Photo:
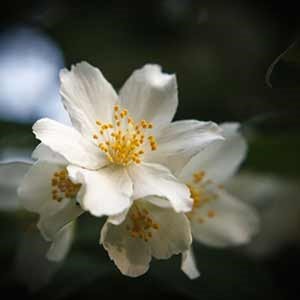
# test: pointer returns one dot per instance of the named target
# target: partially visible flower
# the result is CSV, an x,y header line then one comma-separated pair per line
x,y
47,190
147,231
217,219
278,203
31,266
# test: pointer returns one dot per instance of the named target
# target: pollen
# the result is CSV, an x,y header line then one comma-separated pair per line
x,y
62,186
142,225
201,197
198,176
124,141
211,213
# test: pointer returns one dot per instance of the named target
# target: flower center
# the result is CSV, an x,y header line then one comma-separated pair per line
x,y
62,186
124,141
141,224
201,197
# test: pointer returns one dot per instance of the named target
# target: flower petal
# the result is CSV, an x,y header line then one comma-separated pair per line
x,y
106,191
11,174
69,143
181,140
118,218
132,255
234,223
220,160
32,268
43,152
35,192
151,95
277,200
55,215
174,233
62,242
87,96
35,187
156,180
158,201
188,264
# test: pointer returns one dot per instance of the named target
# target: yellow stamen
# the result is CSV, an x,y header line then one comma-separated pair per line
x,y
124,141
198,176
62,186
201,197
211,213
141,223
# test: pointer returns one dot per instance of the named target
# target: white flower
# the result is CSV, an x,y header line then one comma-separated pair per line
x,y
217,219
31,266
147,231
47,190
277,200
120,146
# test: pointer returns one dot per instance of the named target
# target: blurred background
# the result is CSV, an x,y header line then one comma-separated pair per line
x,y
234,61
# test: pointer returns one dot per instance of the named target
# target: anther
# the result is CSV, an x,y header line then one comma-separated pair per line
x,y
211,213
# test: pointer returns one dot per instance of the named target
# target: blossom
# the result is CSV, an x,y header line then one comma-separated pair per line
x,y
277,201
119,148
217,219
147,231
47,190
30,264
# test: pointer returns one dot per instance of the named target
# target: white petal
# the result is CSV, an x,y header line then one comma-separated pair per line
x,y
62,243
55,215
158,201
69,143
106,191
277,200
181,140
174,233
267,187
151,95
87,96
156,180
118,218
234,223
35,187
11,174
35,192
43,152
188,264
133,255
220,160
32,268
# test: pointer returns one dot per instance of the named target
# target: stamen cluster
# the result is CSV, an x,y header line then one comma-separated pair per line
x,y
200,197
124,141
62,186
141,224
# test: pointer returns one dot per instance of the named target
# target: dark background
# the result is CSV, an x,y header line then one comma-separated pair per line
x,y
220,51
